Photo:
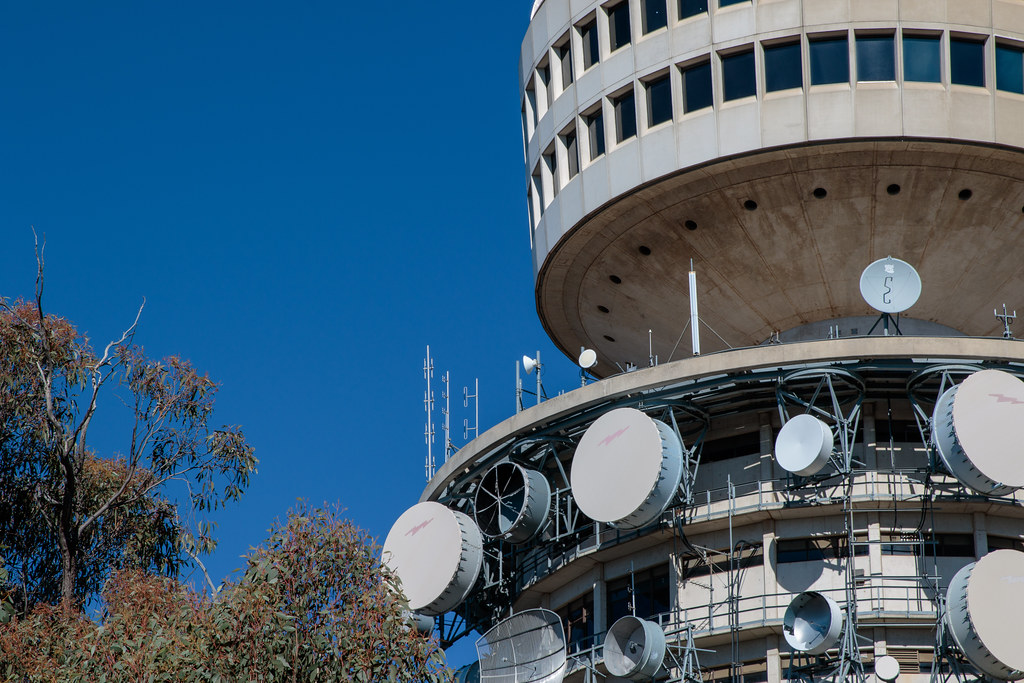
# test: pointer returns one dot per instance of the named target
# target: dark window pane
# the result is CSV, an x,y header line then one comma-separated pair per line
x,y
659,101
531,104
538,187
551,161
966,62
782,67
1010,68
595,129
876,58
690,8
618,26
573,152
726,3
591,53
655,16
697,87
625,116
922,59
565,59
544,74
738,78
830,61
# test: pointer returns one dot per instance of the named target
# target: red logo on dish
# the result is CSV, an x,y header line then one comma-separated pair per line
x,y
1003,398
611,437
418,528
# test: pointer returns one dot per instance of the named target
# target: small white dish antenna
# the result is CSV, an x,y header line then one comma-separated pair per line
x,y
588,359
804,445
634,649
812,623
978,427
528,647
984,602
887,668
890,285
530,364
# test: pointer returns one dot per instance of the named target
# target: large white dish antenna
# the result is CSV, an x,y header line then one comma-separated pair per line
x,y
626,469
634,649
813,623
890,285
984,602
978,427
887,668
512,502
528,647
437,554
804,445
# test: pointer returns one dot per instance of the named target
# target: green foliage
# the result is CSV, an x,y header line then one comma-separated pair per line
x,y
313,604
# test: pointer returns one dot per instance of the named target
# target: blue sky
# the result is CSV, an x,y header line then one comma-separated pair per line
x,y
306,194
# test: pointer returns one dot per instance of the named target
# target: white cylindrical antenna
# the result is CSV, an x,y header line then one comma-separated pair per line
x,y
694,319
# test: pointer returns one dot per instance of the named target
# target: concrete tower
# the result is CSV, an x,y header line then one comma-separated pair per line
x,y
781,146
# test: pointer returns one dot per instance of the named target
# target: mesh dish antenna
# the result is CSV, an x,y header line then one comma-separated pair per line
x,y
512,502
984,602
804,445
437,554
813,623
626,469
634,649
978,428
890,285
528,647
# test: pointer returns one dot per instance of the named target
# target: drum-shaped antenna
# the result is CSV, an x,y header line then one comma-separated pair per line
x,y
984,602
978,427
804,445
887,668
468,674
634,649
528,647
437,554
626,469
812,623
512,502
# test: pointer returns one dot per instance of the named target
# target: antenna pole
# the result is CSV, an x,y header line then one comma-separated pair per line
x,y
519,390
428,405
540,387
446,411
694,319
466,429
1006,319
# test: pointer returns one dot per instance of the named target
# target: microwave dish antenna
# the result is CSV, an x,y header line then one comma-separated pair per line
x,y
887,668
890,285
983,606
512,502
978,427
626,469
528,647
813,623
587,359
437,555
634,648
804,445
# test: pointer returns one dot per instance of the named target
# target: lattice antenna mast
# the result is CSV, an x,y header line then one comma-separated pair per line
x,y
449,447
466,429
1007,320
428,406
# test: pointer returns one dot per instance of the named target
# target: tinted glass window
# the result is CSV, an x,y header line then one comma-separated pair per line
x,y
922,59
565,59
531,104
738,76
573,152
782,67
726,3
1010,68
655,15
618,26
551,161
538,187
645,594
966,62
830,61
625,116
659,101
591,53
697,87
689,8
595,131
876,58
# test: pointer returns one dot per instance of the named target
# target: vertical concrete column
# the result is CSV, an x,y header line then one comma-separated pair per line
x,y
774,660
881,646
771,582
980,535
600,603
875,563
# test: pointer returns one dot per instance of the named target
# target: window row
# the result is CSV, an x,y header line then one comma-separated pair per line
x,y
782,65
874,55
